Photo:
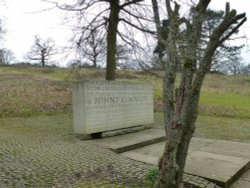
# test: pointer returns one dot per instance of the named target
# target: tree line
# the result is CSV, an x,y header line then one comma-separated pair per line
x,y
91,42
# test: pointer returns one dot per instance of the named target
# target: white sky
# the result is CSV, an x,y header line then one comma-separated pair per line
x,y
24,19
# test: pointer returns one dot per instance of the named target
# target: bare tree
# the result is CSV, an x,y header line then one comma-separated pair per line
x,y
225,53
42,50
93,49
123,56
181,110
245,70
112,16
6,56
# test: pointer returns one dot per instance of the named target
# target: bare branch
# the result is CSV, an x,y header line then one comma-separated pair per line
x,y
187,22
72,7
227,8
202,5
137,27
129,3
146,69
156,16
176,8
126,39
234,30
136,16
168,7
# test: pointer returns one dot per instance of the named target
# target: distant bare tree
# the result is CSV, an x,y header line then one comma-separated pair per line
x,y
6,56
245,70
93,49
228,61
42,50
123,56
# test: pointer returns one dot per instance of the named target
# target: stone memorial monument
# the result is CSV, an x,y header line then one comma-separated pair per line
x,y
100,106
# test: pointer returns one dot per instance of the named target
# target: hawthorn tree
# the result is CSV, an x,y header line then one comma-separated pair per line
x,y
225,54
181,109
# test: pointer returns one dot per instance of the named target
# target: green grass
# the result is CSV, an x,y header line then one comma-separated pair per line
x,y
213,127
226,96
223,128
224,103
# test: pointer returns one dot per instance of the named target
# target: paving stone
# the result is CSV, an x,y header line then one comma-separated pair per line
x,y
44,158
50,156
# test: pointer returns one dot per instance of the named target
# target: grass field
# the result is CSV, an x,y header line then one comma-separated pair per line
x,y
224,104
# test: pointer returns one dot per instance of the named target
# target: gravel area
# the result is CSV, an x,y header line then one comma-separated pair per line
x,y
42,152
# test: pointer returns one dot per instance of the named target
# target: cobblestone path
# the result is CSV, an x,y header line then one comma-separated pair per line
x,y
42,152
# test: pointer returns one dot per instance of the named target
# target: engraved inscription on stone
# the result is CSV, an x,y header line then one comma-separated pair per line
x,y
107,105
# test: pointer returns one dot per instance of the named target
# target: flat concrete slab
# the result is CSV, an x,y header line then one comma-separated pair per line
x,y
217,160
198,143
221,169
207,158
237,149
126,142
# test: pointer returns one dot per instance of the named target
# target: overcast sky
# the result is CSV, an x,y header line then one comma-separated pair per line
x,y
25,18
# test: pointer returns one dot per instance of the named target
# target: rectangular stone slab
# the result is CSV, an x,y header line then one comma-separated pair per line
x,y
100,106
132,141
222,169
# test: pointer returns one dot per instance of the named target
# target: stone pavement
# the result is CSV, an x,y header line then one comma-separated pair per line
x,y
43,152
36,153
220,161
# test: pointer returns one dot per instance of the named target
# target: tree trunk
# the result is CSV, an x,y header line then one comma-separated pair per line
x,y
180,112
43,58
180,126
111,39
95,60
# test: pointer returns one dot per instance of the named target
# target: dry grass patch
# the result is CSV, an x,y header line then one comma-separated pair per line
x,y
25,94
